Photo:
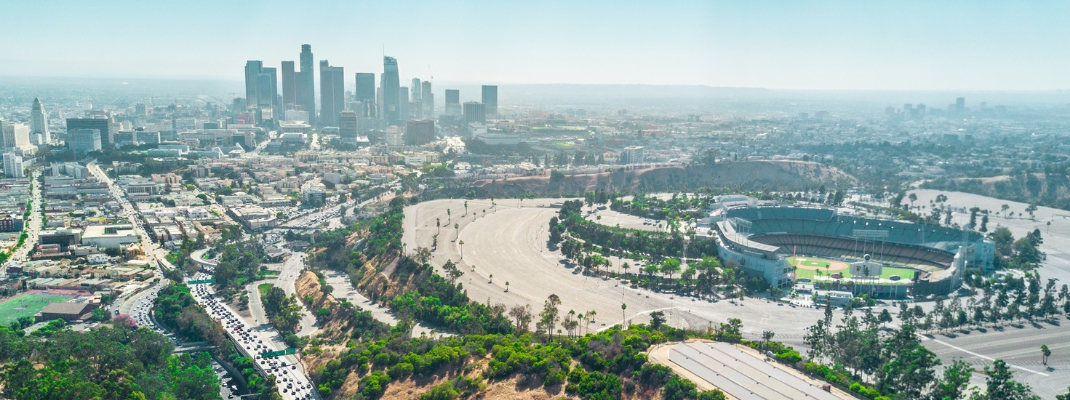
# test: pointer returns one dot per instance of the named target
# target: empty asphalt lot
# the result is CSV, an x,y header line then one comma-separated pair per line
x,y
510,242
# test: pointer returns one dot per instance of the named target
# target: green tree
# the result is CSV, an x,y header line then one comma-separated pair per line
x,y
908,366
670,266
953,385
1001,386
550,315
657,319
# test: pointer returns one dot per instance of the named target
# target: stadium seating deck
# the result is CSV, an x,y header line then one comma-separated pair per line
x,y
821,232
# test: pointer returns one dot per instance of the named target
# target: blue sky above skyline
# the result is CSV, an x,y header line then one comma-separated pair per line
x,y
900,45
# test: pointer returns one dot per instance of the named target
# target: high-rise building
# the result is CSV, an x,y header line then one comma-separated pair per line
x,y
960,104
416,102
83,141
347,125
332,93
141,110
305,84
39,121
366,94
391,84
13,166
403,103
252,82
453,102
419,132
429,100
633,154
261,89
490,100
14,135
415,90
102,125
268,95
475,112
289,86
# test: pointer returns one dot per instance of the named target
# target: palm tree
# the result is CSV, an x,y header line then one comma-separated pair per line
x,y
623,318
767,336
625,266
590,317
506,286
461,243
570,319
491,278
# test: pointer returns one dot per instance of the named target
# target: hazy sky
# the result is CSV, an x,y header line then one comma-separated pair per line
x,y
898,45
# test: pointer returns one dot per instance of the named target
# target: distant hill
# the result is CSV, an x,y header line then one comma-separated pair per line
x,y
744,175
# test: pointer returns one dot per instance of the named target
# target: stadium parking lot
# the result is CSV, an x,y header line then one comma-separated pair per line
x,y
510,243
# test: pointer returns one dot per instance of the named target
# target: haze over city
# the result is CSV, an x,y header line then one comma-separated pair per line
x,y
702,200
825,45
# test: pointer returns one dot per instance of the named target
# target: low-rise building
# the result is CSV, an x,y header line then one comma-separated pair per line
x,y
109,236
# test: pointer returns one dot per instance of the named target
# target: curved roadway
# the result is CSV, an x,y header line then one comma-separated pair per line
x,y
510,243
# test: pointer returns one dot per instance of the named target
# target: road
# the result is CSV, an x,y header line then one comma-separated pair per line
x,y
292,380
510,242
32,227
256,305
141,302
291,271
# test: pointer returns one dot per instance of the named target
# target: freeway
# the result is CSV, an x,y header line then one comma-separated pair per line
x,y
292,381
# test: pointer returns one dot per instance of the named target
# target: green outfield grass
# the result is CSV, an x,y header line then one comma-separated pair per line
x,y
26,306
905,274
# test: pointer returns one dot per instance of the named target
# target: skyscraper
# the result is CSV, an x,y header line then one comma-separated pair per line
x,y
305,84
366,94
289,86
416,102
39,122
960,104
453,102
403,103
102,126
261,90
391,84
475,112
490,100
252,76
332,93
415,90
268,96
429,100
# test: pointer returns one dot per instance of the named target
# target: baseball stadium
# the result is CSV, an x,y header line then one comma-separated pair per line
x,y
838,251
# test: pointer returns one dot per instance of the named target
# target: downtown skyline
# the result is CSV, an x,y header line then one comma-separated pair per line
x,y
807,46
